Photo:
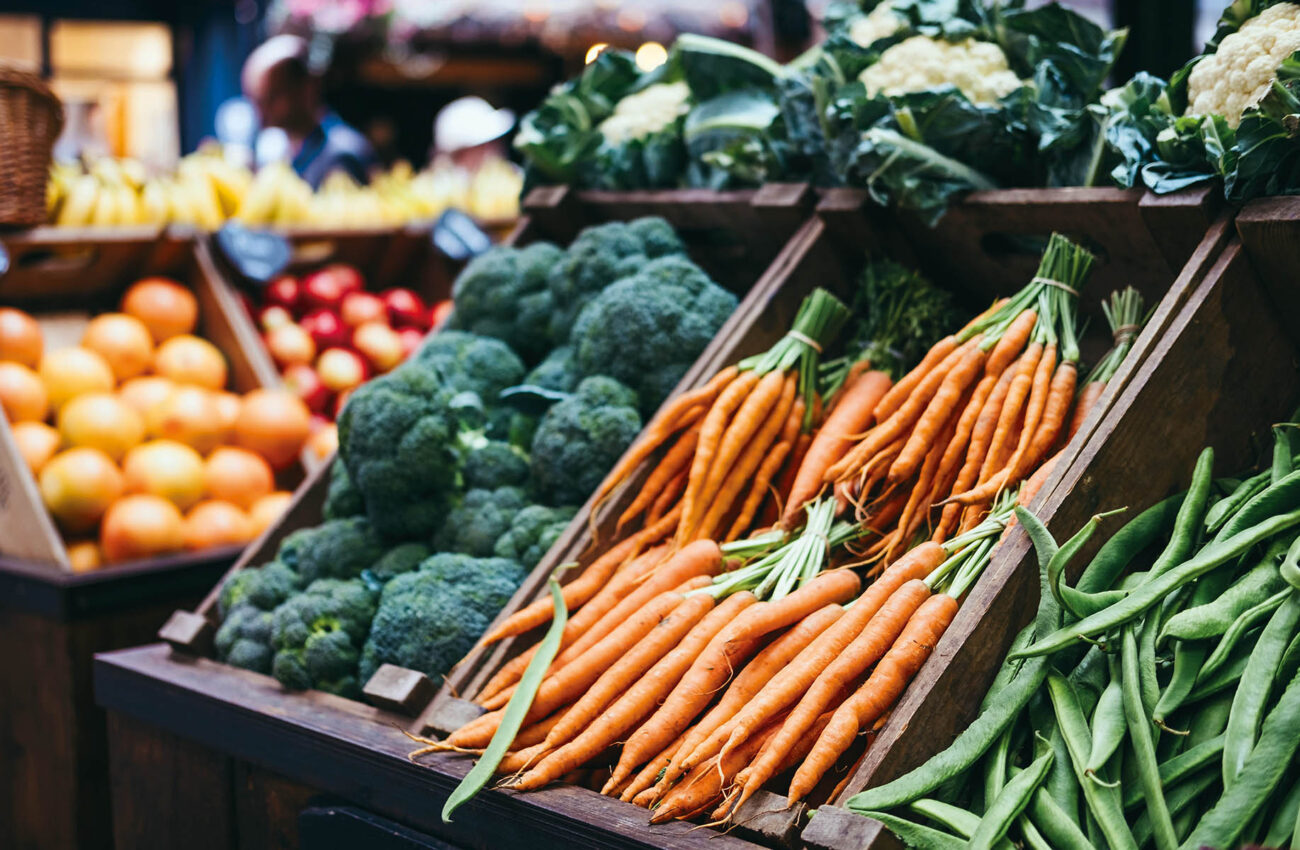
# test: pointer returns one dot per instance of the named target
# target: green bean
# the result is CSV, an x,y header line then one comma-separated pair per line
x,y
1153,591
1124,545
1227,506
1188,658
1228,674
1090,677
1276,499
1034,839
1056,823
1183,823
1290,660
1009,803
1215,616
1140,735
959,820
1181,766
1281,454
1060,781
915,835
1078,604
1282,826
1246,622
1190,516
1290,567
1150,687
1180,800
1007,672
1256,683
1264,768
1209,720
1104,803
995,768
1108,727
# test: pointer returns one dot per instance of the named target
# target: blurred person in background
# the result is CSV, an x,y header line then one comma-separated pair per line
x,y
278,80
468,131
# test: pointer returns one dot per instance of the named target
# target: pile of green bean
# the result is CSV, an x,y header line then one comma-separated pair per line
x,y
1154,703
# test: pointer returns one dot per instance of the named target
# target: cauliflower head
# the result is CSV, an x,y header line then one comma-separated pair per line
x,y
1239,74
647,111
882,22
978,69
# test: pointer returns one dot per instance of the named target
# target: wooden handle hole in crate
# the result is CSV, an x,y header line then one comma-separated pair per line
x,y
1030,247
57,260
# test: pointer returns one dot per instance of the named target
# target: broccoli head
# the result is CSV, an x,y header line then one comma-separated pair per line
x,y
473,526
532,533
261,587
337,548
469,362
244,638
495,464
503,294
427,620
579,440
342,499
557,372
657,235
318,634
647,329
402,558
398,436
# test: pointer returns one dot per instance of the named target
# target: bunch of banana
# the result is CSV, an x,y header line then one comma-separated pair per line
x,y
108,194
277,197
494,191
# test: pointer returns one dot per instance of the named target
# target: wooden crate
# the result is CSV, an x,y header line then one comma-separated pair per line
x,y
1222,372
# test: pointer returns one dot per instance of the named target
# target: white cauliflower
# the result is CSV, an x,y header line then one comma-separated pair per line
x,y
978,68
881,23
645,112
1238,76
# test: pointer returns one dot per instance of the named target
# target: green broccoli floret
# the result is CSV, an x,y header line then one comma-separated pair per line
x,y
658,236
337,548
495,464
468,362
318,634
342,499
533,532
402,558
580,438
557,372
261,587
647,329
503,294
427,620
473,526
244,638
398,436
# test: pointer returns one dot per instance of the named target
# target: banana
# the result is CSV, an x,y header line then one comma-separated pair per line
x,y
79,206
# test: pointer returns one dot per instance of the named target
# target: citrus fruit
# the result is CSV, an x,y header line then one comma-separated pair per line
x,y
141,526
268,509
324,441
227,413
165,468
78,485
70,372
22,395
20,337
190,360
101,421
189,415
37,443
237,475
166,308
216,523
84,556
273,423
123,341
144,392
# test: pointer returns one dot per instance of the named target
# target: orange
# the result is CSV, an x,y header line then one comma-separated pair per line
x,y
123,341
190,360
70,372
84,556
20,337
22,395
189,415
227,413
102,421
78,485
37,443
273,423
141,526
144,392
324,441
166,308
216,523
165,468
237,475
268,509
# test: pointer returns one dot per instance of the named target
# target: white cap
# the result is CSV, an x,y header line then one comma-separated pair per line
x,y
469,121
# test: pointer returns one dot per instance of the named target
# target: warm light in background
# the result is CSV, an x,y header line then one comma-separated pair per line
x,y
630,20
594,51
650,56
733,14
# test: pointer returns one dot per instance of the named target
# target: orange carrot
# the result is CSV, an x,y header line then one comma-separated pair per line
x,y
744,427
1013,341
711,433
980,438
792,759
943,406
881,690
775,505
1087,400
852,413
520,759
674,461
1053,419
918,502
670,494
1001,446
703,786
645,780
758,490
899,393
536,733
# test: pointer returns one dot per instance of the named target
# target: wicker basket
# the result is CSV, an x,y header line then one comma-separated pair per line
x,y
30,120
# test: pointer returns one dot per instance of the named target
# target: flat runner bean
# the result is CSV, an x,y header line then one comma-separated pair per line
x,y
1256,684
1009,803
1139,727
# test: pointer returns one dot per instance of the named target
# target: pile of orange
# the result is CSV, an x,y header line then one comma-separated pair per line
x,y
138,447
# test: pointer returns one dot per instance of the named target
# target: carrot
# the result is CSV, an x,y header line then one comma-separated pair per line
x,y
720,498
745,427
980,438
757,673
899,393
853,412
774,507
1001,447
1013,341
711,432
671,493
791,760
645,780
1054,414
640,658
758,490
663,426
799,674
536,733
520,759
1032,486
941,408
918,502
637,702
674,461
954,452
704,784
881,690
865,650
1088,398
